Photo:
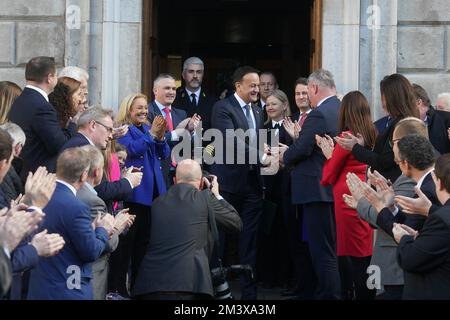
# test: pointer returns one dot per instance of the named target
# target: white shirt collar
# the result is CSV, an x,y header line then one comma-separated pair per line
x,y
420,182
197,93
241,102
277,122
42,92
89,140
71,187
161,107
90,188
323,100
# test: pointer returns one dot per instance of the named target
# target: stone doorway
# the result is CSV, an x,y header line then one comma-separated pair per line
x,y
279,36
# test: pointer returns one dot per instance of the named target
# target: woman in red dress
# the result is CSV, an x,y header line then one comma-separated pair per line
x,y
354,235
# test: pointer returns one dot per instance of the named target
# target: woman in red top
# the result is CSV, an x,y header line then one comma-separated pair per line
x,y
354,235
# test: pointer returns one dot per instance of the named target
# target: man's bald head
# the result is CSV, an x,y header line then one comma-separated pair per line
x,y
189,171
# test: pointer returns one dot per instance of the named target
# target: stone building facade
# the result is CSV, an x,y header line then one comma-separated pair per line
x,y
362,41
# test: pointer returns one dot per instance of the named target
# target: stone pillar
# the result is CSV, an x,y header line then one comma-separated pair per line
x,y
424,44
340,42
378,49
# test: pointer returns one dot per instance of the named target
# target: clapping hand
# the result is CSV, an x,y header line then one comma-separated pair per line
x,y
39,188
326,144
400,230
348,140
158,128
420,205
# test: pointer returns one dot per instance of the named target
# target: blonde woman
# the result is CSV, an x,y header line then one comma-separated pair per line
x,y
9,91
146,147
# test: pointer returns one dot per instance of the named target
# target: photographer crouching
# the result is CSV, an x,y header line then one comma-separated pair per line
x,y
176,265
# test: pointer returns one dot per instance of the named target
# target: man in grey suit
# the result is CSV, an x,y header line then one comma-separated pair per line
x,y
89,196
176,265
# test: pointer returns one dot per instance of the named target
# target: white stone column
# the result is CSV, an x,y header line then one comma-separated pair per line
x,y
340,42
378,48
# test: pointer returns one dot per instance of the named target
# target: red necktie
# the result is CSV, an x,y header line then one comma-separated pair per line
x,y
170,127
303,118
168,118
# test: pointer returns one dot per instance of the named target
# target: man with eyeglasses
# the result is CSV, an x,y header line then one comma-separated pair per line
x,y
95,127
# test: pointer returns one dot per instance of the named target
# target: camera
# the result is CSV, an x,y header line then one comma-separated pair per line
x,y
219,277
209,177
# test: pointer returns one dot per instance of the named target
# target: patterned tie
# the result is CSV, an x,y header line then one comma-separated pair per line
x,y
250,123
303,118
194,100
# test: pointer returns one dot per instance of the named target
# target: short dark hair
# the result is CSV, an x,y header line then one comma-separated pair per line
x,y
240,73
38,68
442,170
6,145
421,94
417,150
301,80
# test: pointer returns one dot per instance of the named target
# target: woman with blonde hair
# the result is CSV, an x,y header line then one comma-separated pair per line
x,y
146,147
9,91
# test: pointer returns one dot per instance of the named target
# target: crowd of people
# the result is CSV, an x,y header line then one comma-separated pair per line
x,y
97,205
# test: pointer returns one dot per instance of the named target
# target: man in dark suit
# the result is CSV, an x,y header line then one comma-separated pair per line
x,y
415,157
95,128
435,120
192,98
267,83
425,255
317,201
176,265
241,180
68,274
89,196
37,117
164,89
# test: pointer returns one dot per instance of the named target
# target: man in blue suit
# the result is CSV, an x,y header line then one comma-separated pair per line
x,y
316,200
68,274
37,117
241,184
164,89
95,128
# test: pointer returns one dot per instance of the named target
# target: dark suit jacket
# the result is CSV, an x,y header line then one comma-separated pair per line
x,y
275,186
386,219
177,116
204,106
437,131
5,273
426,260
228,114
12,185
381,124
107,191
382,156
307,158
71,218
38,120
177,255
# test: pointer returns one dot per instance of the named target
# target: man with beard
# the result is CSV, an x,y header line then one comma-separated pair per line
x,y
192,98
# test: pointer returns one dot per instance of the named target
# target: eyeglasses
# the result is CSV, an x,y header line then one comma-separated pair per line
x,y
109,129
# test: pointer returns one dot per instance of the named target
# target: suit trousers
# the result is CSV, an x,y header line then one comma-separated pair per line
x,y
321,229
249,206
132,248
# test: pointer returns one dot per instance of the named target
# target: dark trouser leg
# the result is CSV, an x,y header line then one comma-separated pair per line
x,y
346,275
322,245
391,293
360,275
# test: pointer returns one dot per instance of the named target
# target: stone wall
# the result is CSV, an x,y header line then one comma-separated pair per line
x,y
101,36
423,44
29,29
